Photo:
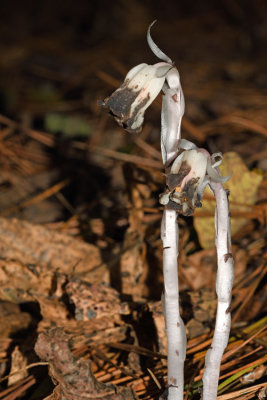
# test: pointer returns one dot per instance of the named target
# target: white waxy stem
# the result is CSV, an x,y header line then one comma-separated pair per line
x,y
174,324
171,116
224,283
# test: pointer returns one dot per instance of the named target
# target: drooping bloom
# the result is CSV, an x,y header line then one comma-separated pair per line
x,y
188,177
139,89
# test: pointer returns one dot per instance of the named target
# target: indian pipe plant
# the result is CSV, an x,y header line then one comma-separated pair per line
x,y
188,170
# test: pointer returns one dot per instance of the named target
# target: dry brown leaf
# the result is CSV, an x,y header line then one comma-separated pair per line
x,y
94,301
199,269
35,244
18,364
12,319
20,283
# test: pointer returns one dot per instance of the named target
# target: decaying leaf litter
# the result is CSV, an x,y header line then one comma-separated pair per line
x,y
80,240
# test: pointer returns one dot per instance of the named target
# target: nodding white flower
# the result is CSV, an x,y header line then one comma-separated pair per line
x,y
139,89
188,177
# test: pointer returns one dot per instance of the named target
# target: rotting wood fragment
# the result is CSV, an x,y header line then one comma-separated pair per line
x,y
73,377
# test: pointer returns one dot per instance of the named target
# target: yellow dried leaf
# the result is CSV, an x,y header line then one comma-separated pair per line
x,y
243,186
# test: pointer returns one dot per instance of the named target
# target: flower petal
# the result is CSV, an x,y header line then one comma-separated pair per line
x,y
164,198
135,70
154,48
186,144
201,189
216,159
140,87
177,164
214,175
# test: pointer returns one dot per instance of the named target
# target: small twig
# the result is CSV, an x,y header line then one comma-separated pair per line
x,y
37,199
250,294
37,364
155,379
241,392
235,349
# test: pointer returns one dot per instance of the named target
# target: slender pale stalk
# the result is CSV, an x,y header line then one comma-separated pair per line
x,y
172,112
224,283
171,116
170,302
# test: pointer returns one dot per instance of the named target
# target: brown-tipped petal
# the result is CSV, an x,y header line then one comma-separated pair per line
x,y
119,104
141,86
174,180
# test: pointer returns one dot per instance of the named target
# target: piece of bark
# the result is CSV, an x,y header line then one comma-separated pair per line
x,y
35,244
73,377
90,312
21,282
94,301
12,319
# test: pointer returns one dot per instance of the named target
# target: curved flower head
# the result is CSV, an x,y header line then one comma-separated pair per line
x,y
139,89
188,177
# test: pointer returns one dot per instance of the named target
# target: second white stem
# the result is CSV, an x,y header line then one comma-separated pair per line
x,y
224,283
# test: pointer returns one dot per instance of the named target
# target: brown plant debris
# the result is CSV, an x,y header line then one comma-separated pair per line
x,y
73,377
